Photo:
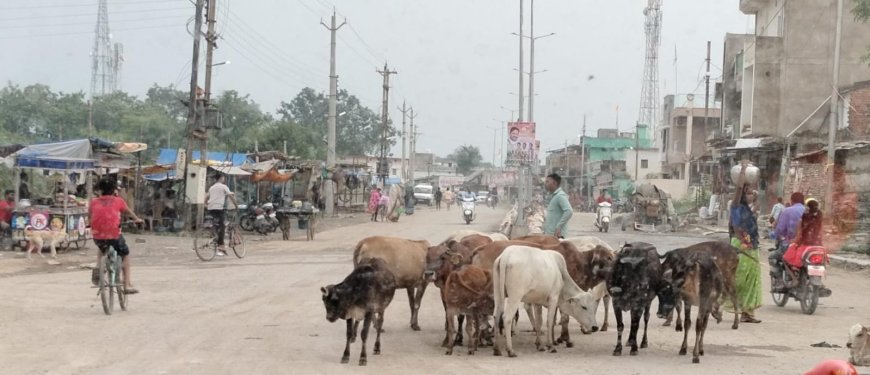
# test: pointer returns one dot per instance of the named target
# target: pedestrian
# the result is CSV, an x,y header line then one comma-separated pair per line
x,y
23,187
448,198
374,200
776,211
438,197
744,229
383,207
559,210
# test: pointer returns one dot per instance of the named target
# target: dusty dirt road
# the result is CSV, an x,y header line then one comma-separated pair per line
x,y
263,315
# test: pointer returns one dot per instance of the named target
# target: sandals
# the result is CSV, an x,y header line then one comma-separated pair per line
x,y
746,318
131,290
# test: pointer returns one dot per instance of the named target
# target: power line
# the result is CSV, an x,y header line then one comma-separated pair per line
x,y
267,54
368,47
41,16
85,32
273,70
272,47
126,20
88,5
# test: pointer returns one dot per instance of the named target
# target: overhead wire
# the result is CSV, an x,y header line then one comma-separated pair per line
x,y
83,5
43,16
83,23
91,32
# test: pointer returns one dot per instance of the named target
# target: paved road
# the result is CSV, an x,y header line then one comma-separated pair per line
x,y
263,315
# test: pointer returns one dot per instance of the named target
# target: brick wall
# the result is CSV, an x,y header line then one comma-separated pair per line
x,y
807,178
859,112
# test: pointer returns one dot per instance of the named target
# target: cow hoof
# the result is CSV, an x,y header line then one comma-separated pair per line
x,y
363,362
496,353
569,344
603,328
682,351
696,360
345,360
415,327
633,352
617,353
679,329
552,350
512,355
471,352
643,345
449,352
701,352
734,326
377,352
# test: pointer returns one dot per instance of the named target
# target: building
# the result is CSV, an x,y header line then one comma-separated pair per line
x,y
777,83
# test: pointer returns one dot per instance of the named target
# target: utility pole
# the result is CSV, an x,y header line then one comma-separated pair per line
x,y
583,157
520,37
412,143
329,189
191,108
405,138
383,169
707,95
834,118
211,39
531,61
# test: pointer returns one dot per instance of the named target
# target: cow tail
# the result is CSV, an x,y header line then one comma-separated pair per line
x,y
356,253
498,282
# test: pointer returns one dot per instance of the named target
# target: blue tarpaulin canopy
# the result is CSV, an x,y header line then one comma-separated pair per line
x,y
168,156
70,155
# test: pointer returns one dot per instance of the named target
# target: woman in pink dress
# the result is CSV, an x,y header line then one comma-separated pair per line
x,y
374,199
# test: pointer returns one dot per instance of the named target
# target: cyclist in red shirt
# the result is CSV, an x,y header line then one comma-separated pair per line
x,y
6,207
106,212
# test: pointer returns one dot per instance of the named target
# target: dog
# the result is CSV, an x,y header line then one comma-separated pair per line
x,y
36,239
859,345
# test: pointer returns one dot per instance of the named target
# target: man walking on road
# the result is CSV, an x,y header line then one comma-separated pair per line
x,y
559,210
216,200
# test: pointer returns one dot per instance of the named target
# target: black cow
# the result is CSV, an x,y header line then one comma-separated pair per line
x,y
696,279
633,284
367,291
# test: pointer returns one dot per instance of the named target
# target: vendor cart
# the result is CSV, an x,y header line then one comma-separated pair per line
x,y
62,212
305,217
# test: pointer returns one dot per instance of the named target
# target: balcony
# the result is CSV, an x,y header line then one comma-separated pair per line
x,y
752,6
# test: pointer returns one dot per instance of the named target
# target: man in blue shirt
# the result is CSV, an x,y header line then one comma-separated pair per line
x,y
787,227
559,210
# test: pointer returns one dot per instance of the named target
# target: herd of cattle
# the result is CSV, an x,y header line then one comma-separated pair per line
x,y
487,275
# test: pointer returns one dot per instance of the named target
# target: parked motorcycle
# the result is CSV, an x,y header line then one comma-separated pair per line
x,y
266,220
467,205
602,221
806,286
247,216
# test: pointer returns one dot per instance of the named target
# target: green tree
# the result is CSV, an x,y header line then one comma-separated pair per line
x,y
242,122
467,158
861,11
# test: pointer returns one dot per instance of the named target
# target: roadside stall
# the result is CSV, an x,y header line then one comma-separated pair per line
x,y
72,165
295,204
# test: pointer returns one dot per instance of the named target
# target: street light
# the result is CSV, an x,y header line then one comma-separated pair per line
x,y
222,63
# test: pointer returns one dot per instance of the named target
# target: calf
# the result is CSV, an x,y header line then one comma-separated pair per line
x,y
438,267
633,284
726,258
589,269
467,291
367,291
524,274
696,278
406,259
859,345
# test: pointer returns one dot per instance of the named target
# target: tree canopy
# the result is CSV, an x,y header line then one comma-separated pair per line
x,y
467,158
35,113
861,11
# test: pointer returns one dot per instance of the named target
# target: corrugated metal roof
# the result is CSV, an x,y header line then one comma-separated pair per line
x,y
843,146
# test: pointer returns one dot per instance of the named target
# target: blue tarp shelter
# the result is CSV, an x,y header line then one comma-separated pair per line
x,y
167,156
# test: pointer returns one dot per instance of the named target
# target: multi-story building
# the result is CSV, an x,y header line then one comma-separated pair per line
x,y
686,125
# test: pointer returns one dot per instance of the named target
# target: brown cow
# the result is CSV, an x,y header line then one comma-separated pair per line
x,y
406,259
467,291
435,260
484,256
474,241
726,258
540,240
696,278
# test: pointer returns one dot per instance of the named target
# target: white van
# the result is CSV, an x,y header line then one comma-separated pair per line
x,y
424,193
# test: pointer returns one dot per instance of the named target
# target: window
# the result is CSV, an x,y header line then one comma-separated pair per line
x,y
644,163
395,170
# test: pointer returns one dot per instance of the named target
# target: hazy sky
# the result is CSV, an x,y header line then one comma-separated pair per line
x,y
455,58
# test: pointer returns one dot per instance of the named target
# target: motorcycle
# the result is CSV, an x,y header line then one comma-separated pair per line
x,y
492,201
267,219
468,213
806,286
247,216
602,221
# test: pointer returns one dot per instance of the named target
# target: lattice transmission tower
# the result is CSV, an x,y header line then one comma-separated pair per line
x,y
649,97
106,58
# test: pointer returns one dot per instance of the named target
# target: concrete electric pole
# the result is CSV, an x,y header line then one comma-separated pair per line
x,y
211,39
404,111
412,143
834,118
520,37
383,167
191,108
329,187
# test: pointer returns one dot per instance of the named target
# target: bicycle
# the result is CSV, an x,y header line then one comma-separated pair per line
x,y
205,242
111,281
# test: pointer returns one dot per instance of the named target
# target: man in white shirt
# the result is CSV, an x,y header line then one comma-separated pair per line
x,y
216,204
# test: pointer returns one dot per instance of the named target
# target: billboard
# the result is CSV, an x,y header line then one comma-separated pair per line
x,y
522,145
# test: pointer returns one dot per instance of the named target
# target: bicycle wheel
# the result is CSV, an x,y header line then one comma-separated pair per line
x,y
107,292
205,245
121,289
237,242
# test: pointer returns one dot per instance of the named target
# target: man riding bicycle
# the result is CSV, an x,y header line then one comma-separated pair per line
x,y
106,212
216,200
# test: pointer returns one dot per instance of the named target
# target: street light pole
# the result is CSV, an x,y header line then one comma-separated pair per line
x,y
520,37
329,193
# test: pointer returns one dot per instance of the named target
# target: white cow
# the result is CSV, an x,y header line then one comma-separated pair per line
x,y
859,345
460,234
523,274
584,243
